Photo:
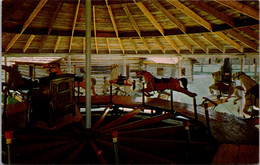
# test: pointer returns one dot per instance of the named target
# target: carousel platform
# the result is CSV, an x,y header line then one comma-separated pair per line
x,y
226,128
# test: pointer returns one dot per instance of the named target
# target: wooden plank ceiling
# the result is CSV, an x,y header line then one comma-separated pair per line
x,y
131,27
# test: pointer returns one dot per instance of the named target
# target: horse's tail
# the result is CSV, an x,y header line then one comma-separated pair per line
x,y
184,82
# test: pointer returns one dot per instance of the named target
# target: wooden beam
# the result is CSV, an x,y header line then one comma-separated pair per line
x,y
51,25
28,43
27,23
84,44
249,32
172,44
95,28
74,25
169,16
185,43
150,16
229,41
198,42
244,40
108,46
212,11
190,13
159,44
146,45
115,26
57,44
134,45
212,41
240,7
130,17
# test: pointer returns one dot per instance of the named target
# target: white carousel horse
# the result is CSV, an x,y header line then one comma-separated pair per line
x,y
124,87
251,93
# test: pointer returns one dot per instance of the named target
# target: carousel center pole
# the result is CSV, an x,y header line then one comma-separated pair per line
x,y
88,64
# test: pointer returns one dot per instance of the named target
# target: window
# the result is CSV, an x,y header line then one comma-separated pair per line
x,y
31,71
183,71
159,71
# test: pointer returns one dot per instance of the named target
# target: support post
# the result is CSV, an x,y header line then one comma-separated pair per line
x,y
88,64
186,125
207,117
8,138
143,98
5,60
115,134
69,63
195,108
171,101
110,90
255,70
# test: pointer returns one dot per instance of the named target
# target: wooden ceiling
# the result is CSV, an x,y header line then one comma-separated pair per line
x,y
131,27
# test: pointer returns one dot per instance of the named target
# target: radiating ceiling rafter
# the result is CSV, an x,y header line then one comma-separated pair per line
x,y
249,32
229,41
169,16
26,23
156,40
242,39
213,42
156,24
214,12
185,43
115,26
198,42
240,7
28,43
74,25
57,44
54,17
191,14
95,28
134,45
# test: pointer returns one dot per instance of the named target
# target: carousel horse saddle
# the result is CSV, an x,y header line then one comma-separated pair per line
x,y
121,80
162,80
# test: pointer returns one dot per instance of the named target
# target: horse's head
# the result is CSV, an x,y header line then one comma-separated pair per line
x,y
236,76
216,76
140,73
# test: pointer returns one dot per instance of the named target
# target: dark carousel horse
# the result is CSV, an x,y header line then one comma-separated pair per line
x,y
155,84
16,81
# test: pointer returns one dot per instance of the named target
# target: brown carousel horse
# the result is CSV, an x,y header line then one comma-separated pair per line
x,y
224,88
251,92
155,84
54,68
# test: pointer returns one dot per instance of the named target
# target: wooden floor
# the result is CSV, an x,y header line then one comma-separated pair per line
x,y
226,128
236,154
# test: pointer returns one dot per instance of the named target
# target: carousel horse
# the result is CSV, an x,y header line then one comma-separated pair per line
x,y
16,81
155,84
251,92
54,68
224,88
123,84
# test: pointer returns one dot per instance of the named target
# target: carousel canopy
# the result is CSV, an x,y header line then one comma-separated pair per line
x,y
131,27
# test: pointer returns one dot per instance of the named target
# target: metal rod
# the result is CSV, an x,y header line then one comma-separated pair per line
x,y
171,100
207,117
110,94
143,96
195,108
88,64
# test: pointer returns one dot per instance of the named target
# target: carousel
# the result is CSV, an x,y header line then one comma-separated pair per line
x,y
101,101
